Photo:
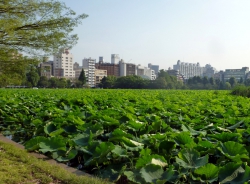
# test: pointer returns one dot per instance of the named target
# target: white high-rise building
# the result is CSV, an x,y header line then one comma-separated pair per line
x,y
89,64
115,58
63,64
189,69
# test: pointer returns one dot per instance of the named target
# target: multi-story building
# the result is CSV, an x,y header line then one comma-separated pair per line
x,y
63,64
89,64
112,69
154,67
127,68
46,69
145,72
236,73
99,74
76,66
189,69
114,58
175,73
219,75
209,71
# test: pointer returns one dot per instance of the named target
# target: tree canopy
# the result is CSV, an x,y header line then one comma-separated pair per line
x,y
82,77
37,26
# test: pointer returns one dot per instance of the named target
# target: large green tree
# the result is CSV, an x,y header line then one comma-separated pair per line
x,y
33,76
82,77
35,27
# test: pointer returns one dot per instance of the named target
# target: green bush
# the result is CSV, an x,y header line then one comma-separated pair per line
x,y
241,90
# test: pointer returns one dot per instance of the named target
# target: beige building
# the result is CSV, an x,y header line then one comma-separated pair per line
x,y
63,64
99,74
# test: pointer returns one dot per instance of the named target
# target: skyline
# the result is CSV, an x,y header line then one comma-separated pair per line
x,y
209,32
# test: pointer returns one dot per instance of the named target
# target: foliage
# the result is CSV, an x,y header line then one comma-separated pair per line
x,y
241,90
82,77
37,25
143,136
33,27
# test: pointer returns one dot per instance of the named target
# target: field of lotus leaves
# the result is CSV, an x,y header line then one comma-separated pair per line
x,y
135,136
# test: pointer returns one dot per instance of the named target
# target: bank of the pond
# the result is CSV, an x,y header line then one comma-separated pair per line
x,y
19,166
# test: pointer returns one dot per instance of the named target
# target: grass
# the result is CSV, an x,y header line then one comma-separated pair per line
x,y
19,167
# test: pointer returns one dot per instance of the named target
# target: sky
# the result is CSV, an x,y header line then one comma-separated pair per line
x,y
160,32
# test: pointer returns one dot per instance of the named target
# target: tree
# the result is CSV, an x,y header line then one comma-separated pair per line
x,y
227,85
82,77
205,81
33,76
109,81
232,81
43,82
241,80
35,27
211,81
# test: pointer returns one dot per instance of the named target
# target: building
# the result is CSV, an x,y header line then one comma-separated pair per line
x,y
127,68
209,71
175,73
236,73
76,66
154,67
46,69
99,74
63,64
114,59
145,72
112,69
89,64
189,69
219,75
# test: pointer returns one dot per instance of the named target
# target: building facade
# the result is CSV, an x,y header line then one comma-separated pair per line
x,y
209,71
99,74
189,70
89,64
46,69
63,64
112,69
114,58
127,68
145,72
236,73
154,67
175,73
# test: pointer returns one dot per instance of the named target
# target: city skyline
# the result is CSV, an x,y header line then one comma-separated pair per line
x,y
162,32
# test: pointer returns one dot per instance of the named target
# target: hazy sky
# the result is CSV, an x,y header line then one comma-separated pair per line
x,y
160,32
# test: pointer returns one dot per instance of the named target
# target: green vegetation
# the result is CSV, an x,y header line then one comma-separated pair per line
x,y
18,166
241,90
36,28
143,136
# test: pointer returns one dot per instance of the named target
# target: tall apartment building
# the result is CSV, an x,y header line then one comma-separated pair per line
x,y
63,64
154,67
236,73
189,69
114,58
89,64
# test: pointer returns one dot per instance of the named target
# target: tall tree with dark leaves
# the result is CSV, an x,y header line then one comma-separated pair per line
x,y
82,77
